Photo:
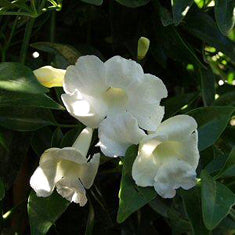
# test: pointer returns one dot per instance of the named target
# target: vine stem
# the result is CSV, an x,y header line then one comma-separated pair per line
x,y
25,44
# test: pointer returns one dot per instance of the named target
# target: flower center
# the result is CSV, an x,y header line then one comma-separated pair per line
x,y
116,99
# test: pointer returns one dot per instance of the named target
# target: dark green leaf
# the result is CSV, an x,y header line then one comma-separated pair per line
x,y
192,205
207,86
71,136
90,220
224,15
41,140
25,119
211,125
2,190
203,27
131,197
11,160
3,141
180,9
43,212
9,98
57,138
94,2
160,206
228,169
19,78
217,200
133,3
66,51
226,99
174,104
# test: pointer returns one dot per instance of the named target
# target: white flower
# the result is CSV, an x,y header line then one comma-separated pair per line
x,y
49,76
168,158
67,169
96,90
117,133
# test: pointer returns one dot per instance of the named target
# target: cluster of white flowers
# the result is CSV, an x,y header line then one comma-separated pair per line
x,y
123,102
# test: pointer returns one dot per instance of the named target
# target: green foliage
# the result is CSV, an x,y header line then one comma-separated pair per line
x,y
131,197
217,200
43,212
211,125
192,49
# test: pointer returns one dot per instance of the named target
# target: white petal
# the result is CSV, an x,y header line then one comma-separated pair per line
x,y
71,154
89,171
87,76
178,127
121,73
151,90
149,116
90,111
72,189
49,76
174,174
83,141
43,179
117,133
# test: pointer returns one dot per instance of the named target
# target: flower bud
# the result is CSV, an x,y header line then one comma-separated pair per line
x,y
49,76
143,47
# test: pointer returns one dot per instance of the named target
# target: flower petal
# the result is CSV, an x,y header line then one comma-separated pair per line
x,y
49,76
72,189
151,90
43,178
149,116
121,73
117,133
89,111
175,173
87,76
178,127
88,171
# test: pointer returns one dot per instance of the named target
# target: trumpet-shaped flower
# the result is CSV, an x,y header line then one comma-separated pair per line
x,y
49,76
68,170
168,158
95,90
117,133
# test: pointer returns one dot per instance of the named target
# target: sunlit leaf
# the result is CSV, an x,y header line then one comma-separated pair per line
x,y
19,78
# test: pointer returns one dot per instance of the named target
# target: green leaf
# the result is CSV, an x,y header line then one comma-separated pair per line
x,y
2,190
66,51
131,197
90,220
226,99
71,136
94,2
224,15
217,200
43,212
9,98
180,9
3,141
211,123
11,160
203,27
174,104
133,3
19,78
57,138
207,86
228,169
192,205
41,140
25,119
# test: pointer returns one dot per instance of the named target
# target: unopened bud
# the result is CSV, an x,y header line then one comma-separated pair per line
x,y
143,47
